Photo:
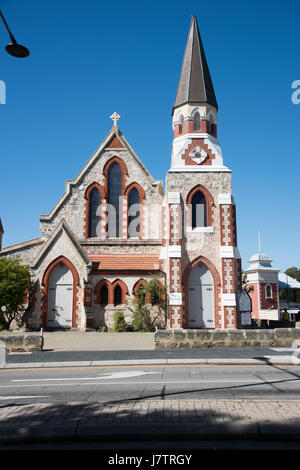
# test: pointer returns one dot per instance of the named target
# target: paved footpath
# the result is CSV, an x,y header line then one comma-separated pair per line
x,y
141,420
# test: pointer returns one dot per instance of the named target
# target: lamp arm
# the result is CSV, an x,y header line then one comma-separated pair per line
x,y
13,40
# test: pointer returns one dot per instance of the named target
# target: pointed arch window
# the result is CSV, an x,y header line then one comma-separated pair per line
x,y
104,295
114,195
197,121
134,214
94,212
199,210
117,295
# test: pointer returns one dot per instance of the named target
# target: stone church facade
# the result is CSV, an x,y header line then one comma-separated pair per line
x,y
115,228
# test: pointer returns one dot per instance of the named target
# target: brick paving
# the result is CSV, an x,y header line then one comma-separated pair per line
x,y
154,411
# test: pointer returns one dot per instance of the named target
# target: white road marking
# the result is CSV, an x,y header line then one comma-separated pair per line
x,y
11,397
19,353
285,349
113,375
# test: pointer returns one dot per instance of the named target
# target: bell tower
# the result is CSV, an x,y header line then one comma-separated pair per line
x,y
200,244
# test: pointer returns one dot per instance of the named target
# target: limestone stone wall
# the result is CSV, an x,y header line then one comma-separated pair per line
x,y
21,342
25,252
123,247
181,339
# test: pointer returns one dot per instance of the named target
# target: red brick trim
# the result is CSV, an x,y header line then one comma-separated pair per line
x,y
124,171
141,202
229,209
115,143
188,128
45,285
198,143
87,205
185,285
110,288
138,187
227,314
234,231
209,204
97,291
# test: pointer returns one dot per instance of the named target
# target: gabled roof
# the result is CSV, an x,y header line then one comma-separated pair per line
x,y
113,140
195,84
62,227
23,245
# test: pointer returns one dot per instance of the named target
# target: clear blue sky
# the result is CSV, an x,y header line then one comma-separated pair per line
x,y
90,58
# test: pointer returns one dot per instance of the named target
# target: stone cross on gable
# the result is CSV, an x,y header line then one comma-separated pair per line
x,y
115,117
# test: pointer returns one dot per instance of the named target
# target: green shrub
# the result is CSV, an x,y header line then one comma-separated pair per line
x,y
15,286
102,329
119,322
142,319
150,306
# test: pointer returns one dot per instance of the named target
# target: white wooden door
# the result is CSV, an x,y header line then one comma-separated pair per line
x,y
60,297
201,298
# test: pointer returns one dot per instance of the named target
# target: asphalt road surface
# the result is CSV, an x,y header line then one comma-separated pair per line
x,y
167,382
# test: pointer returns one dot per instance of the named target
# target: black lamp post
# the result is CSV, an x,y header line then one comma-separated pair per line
x,y
14,49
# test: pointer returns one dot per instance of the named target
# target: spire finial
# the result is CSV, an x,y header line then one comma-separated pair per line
x,y
259,248
115,117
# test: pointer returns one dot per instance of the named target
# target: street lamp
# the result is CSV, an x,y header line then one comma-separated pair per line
x,y
14,49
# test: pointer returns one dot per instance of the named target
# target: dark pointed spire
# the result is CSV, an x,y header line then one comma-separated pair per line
x,y
195,85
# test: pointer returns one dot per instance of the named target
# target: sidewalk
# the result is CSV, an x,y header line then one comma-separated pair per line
x,y
263,420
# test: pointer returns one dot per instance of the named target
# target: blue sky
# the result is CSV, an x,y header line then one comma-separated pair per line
x,y
90,58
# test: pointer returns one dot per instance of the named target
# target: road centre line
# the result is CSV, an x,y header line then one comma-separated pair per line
x,y
43,369
137,366
136,383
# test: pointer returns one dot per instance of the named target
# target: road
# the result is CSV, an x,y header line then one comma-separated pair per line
x,y
166,382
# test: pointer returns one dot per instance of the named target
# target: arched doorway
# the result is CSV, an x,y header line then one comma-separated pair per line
x,y
201,297
60,297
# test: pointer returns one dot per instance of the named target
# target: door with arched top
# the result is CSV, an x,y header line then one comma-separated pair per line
x,y
201,298
60,297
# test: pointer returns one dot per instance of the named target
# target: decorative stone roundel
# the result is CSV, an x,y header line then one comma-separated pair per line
x,y
198,155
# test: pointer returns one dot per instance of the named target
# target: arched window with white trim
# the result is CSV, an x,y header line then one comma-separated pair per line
x,y
269,293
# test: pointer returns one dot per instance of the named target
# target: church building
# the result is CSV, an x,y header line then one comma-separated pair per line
x,y
116,227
